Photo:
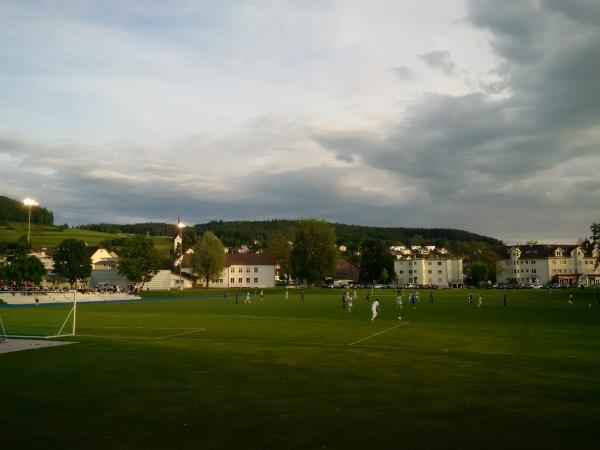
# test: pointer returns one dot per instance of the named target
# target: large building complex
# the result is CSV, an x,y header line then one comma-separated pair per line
x,y
564,264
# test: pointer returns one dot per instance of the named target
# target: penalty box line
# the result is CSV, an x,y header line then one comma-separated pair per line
x,y
380,332
195,330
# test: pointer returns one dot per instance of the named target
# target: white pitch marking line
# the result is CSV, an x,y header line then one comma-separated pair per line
x,y
380,332
196,330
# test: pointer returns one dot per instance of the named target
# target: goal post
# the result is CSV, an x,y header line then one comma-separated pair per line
x,y
38,314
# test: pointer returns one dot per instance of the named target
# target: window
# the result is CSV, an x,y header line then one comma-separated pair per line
x,y
439,263
533,271
256,280
410,271
429,271
239,280
232,269
527,262
401,271
240,270
256,270
440,271
429,263
232,280
247,269
247,280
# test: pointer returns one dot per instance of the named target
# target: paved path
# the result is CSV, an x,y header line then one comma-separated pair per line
x,y
16,345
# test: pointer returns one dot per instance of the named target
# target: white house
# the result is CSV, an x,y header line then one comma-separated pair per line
x,y
102,258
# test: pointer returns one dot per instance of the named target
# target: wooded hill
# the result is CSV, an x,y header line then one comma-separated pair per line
x,y
258,233
15,211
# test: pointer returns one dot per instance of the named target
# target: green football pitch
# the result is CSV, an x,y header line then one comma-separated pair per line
x,y
181,370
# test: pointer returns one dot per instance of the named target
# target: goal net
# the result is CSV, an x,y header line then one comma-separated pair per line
x,y
37,314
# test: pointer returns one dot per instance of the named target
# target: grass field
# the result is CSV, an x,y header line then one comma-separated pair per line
x,y
51,236
205,373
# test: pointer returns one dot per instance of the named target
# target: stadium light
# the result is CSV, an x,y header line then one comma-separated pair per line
x,y
29,202
181,226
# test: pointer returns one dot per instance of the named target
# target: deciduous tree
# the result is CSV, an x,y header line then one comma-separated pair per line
x,y
595,238
72,261
479,272
375,257
208,259
16,264
314,252
280,245
139,261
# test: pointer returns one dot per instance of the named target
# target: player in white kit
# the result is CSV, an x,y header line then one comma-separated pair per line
x,y
374,309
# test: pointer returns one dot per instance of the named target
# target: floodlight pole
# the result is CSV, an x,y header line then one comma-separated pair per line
x,y
29,224
29,203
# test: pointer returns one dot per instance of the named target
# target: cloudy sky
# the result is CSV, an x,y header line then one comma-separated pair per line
x,y
480,115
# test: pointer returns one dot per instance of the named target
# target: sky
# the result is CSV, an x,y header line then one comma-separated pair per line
x,y
479,115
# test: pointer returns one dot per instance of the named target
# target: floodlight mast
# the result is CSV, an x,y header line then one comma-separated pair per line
x,y
29,202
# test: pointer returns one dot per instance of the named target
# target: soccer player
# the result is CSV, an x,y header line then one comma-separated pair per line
x,y
262,295
349,304
286,295
302,296
504,300
470,297
571,299
413,300
374,309
430,296
247,297
398,302
479,302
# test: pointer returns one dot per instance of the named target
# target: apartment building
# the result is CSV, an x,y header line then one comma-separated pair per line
x,y
440,272
564,264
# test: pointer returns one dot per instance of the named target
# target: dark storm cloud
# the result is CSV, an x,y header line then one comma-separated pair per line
x,y
440,60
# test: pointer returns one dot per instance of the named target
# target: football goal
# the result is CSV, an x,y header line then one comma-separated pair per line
x,y
38,314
